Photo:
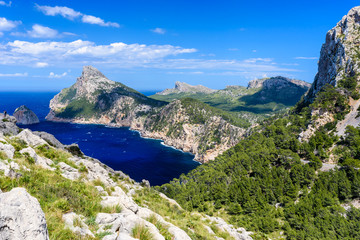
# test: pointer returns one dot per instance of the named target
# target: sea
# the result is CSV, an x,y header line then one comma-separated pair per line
x,y
120,148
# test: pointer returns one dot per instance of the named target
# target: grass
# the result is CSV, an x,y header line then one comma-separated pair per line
x,y
57,195
56,155
192,223
3,155
141,232
111,209
163,229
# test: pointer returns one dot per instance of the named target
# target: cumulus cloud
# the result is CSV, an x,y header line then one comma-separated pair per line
x,y
13,74
306,58
158,30
121,55
7,25
98,21
39,31
6,4
53,75
71,14
41,64
85,52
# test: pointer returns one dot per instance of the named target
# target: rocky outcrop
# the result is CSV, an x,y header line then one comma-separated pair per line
x,y
96,99
24,116
277,82
339,57
182,87
21,216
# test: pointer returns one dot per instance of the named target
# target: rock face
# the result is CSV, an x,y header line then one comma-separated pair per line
x,y
181,87
21,216
96,99
339,57
277,82
25,116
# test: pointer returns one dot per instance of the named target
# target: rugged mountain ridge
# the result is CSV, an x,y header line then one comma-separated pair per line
x,y
339,56
96,99
182,87
261,97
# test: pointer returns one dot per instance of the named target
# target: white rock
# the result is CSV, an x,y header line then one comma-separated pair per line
x,y
68,171
237,234
69,219
43,162
30,138
101,190
119,197
21,216
8,149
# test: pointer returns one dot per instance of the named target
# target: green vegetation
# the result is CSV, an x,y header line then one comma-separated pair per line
x,y
241,99
262,185
141,232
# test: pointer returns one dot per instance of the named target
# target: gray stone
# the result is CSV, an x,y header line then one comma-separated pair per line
x,y
24,116
30,138
49,138
68,171
21,216
8,149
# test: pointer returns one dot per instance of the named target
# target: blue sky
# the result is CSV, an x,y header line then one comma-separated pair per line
x,y
148,45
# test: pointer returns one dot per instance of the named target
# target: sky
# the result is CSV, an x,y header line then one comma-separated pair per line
x,y
149,45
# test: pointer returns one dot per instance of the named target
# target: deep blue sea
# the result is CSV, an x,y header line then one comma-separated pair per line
x,y
119,148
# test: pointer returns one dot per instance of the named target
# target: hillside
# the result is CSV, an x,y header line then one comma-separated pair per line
x,y
187,125
53,191
262,96
296,177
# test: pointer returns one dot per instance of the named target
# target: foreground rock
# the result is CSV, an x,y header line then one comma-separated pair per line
x,y
24,116
21,216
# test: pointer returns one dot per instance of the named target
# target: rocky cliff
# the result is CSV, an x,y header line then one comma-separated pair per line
x,y
340,54
25,116
277,82
96,99
48,192
182,87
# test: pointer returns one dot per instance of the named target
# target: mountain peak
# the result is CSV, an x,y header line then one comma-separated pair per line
x,y
276,82
90,72
339,57
182,87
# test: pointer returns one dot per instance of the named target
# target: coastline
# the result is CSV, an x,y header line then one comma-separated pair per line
x,y
142,134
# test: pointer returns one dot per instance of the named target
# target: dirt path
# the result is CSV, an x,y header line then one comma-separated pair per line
x,y
350,119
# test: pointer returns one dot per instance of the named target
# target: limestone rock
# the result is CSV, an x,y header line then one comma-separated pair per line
x,y
236,233
43,162
339,54
21,216
82,230
24,116
182,87
50,139
30,138
119,197
8,149
68,171
277,82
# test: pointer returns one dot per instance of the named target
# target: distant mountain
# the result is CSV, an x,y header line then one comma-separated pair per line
x,y
188,124
181,87
262,96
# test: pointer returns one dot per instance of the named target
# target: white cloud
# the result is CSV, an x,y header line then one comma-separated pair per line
x,y
62,11
98,21
13,74
132,56
3,3
7,25
41,64
53,75
85,52
233,49
71,14
158,30
39,31
254,51
306,58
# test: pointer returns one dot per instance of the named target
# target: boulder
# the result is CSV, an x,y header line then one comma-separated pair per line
x,y
8,149
43,162
24,116
21,216
68,171
30,138
50,139
82,230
